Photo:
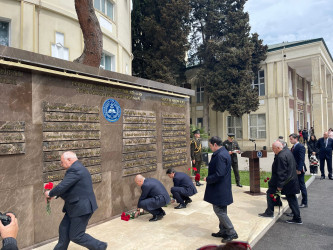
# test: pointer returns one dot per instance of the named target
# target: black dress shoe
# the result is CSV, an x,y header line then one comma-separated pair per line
x,y
303,206
322,178
198,184
219,235
239,185
187,201
163,212
230,238
330,178
290,214
156,217
180,206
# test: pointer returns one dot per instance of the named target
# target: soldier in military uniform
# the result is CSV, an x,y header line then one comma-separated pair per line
x,y
196,154
232,146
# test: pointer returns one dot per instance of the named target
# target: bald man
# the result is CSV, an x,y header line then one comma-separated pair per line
x,y
284,179
76,190
153,197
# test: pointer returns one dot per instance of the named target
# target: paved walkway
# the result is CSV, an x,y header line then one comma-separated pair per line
x,y
187,228
317,229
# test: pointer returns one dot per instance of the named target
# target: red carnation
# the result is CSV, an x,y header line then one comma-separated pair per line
x,y
197,177
274,199
265,180
48,187
271,195
195,169
189,169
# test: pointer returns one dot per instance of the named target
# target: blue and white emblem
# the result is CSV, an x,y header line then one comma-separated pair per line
x,y
259,154
111,110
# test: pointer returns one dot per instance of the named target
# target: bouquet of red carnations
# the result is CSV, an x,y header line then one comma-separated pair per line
x,y
48,187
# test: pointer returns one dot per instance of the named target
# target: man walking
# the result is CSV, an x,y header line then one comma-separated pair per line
x,y
298,151
196,155
284,179
232,146
218,189
76,190
325,145
153,197
182,187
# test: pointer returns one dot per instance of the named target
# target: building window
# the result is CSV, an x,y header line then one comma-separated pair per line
x,y
58,49
234,125
259,82
200,122
4,33
104,6
257,126
200,94
108,62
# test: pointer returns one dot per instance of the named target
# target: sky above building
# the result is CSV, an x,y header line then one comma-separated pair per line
x,y
278,21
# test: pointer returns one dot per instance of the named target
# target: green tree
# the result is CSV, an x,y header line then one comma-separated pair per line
x,y
160,29
229,56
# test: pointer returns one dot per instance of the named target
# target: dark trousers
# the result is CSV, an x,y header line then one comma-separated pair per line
x,y
73,229
153,205
179,193
303,188
329,166
225,224
236,172
292,201
197,165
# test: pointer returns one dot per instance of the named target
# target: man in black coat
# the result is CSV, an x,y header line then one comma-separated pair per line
x,y
76,190
284,179
182,187
325,145
298,151
9,233
218,189
153,197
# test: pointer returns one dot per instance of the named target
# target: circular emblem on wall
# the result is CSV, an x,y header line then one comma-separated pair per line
x,y
111,110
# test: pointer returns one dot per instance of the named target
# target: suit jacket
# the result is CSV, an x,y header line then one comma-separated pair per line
x,y
9,244
76,190
183,180
153,188
298,151
284,173
218,189
325,152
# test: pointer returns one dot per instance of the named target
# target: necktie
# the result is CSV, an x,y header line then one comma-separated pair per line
x,y
326,143
292,148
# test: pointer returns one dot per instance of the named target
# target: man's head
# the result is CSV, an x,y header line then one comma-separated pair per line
x,y
293,138
139,180
171,172
277,147
231,137
196,133
67,159
326,135
215,143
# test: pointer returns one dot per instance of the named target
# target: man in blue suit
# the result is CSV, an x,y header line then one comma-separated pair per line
x,y
218,189
76,190
325,145
298,151
153,197
182,187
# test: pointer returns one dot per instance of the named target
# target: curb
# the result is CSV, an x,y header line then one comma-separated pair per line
x,y
262,233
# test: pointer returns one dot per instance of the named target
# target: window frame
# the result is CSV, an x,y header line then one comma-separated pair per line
x,y
112,61
5,20
59,46
105,11
199,92
259,81
233,129
259,129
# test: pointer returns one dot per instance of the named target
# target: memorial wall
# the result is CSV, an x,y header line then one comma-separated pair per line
x,y
118,126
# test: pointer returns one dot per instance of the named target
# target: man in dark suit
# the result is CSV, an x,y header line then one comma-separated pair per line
x,y
325,145
182,187
298,151
9,233
284,179
76,190
218,188
153,197
232,146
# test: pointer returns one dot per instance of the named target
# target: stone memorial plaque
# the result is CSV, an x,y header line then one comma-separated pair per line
x,y
69,126
11,137
70,145
6,126
130,134
173,133
12,148
129,119
134,127
139,170
65,107
174,145
136,141
9,76
174,157
173,127
174,139
142,162
174,164
139,148
141,113
96,178
71,136
55,155
139,155
70,117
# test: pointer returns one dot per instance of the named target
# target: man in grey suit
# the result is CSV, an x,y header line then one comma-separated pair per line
x,y
153,197
76,190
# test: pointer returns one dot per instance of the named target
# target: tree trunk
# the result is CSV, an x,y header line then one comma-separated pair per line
x,y
206,113
92,34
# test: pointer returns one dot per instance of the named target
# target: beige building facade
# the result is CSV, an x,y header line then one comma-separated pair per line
x,y
295,92
51,28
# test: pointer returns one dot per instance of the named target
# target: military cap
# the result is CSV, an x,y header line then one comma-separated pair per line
x,y
231,135
196,131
